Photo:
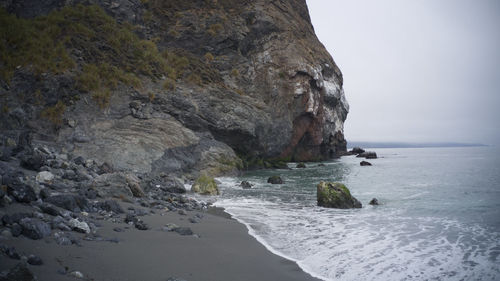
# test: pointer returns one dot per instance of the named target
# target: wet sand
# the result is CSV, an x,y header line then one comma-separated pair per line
x,y
220,250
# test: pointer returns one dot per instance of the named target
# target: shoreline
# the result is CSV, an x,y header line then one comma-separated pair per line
x,y
261,241
220,248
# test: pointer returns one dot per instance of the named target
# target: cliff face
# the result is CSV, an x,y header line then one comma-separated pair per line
x,y
186,87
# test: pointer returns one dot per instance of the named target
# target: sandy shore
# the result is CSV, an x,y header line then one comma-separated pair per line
x,y
220,249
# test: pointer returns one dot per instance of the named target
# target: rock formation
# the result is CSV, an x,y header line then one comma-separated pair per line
x,y
169,87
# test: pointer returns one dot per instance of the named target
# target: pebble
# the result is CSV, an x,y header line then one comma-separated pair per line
x,y
76,274
170,227
34,260
12,253
6,233
183,231
118,229
141,225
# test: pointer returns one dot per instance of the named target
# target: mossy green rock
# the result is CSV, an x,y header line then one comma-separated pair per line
x,y
335,195
205,185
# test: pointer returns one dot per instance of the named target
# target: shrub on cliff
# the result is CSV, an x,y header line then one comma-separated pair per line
x,y
108,52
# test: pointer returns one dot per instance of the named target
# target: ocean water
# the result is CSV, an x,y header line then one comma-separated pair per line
x,y
439,217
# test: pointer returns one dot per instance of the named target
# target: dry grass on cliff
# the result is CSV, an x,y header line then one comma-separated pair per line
x,y
108,52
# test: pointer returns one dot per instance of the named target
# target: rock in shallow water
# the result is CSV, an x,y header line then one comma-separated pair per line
x,y
301,165
275,180
368,155
246,185
374,201
335,195
365,163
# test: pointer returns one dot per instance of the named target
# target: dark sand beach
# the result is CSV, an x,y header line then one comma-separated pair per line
x,y
219,249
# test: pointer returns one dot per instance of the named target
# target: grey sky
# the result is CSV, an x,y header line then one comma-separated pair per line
x,y
422,70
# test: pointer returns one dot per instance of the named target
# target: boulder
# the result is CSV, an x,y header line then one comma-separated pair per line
x,y
374,201
335,195
15,218
205,185
34,228
44,177
6,152
357,150
79,160
301,165
105,168
117,185
16,230
50,209
275,180
70,202
79,226
110,206
168,184
21,191
368,155
33,160
246,185
134,185
365,163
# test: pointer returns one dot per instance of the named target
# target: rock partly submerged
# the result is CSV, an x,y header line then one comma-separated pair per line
x,y
246,185
301,165
335,195
275,180
368,155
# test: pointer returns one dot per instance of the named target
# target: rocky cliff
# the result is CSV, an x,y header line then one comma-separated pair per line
x,y
169,87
